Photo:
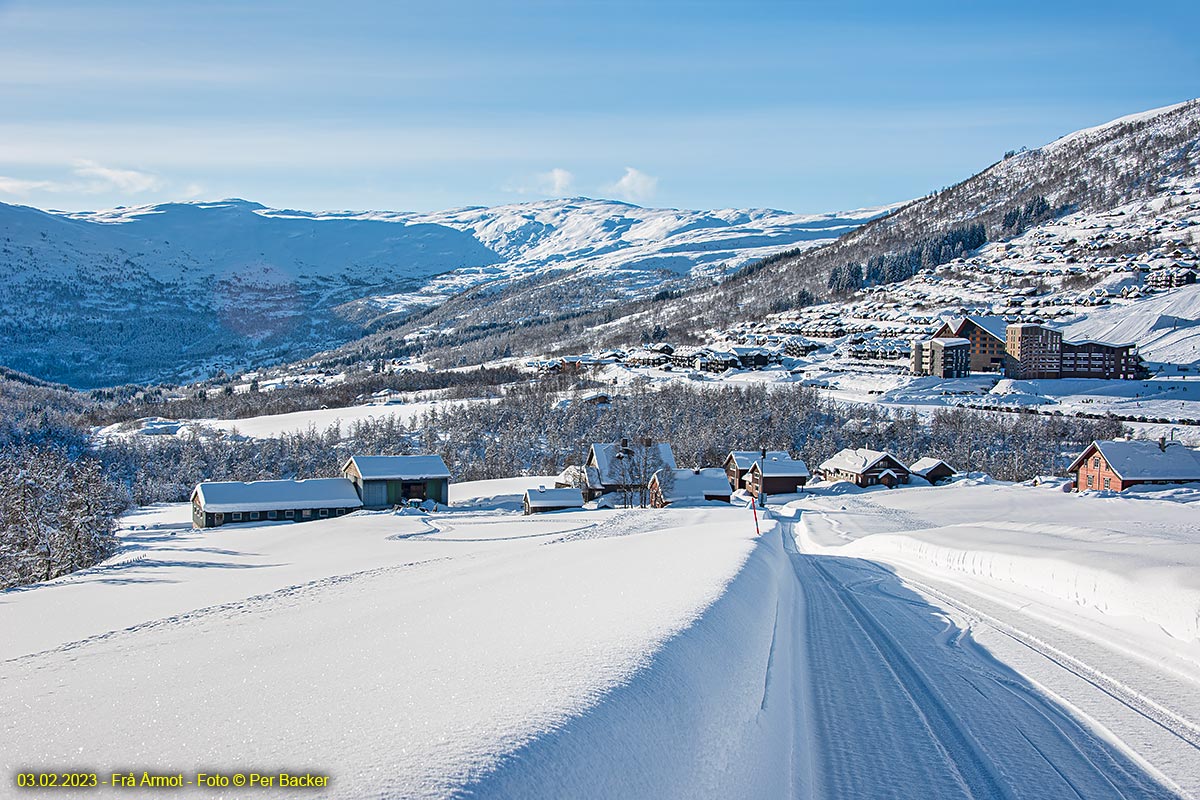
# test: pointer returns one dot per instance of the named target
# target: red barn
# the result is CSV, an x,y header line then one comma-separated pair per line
x,y
1115,466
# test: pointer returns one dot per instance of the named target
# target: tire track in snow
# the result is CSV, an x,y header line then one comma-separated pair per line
x,y
964,755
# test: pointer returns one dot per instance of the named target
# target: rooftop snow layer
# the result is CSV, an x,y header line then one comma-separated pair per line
x,y
850,460
702,484
541,497
222,497
744,458
400,468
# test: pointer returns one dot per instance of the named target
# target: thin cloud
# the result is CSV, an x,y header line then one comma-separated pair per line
x,y
634,186
90,178
555,183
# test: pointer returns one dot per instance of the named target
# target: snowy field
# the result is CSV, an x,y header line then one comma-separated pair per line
x,y
972,641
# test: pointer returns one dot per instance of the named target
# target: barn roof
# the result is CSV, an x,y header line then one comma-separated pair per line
x,y
856,461
541,497
397,468
1143,460
924,465
744,458
781,466
701,484
222,497
606,471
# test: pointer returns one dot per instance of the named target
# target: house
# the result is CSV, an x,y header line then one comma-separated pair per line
x,y
933,470
942,356
1034,351
1123,463
216,503
620,467
738,462
776,474
386,481
542,499
689,486
987,338
864,467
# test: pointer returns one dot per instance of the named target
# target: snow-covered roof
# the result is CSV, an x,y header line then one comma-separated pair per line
x,y
781,466
924,465
857,461
396,468
222,497
950,341
541,497
606,470
702,484
744,458
1142,460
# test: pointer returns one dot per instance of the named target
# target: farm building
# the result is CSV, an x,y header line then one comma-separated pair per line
x,y
689,486
622,467
386,481
1118,465
216,503
542,499
776,474
932,469
864,467
738,462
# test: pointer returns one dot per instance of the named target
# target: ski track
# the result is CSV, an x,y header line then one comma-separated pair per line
x,y
946,718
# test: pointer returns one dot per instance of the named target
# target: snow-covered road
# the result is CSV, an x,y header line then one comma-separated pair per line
x,y
895,685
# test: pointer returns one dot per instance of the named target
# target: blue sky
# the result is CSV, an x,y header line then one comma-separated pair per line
x,y
802,106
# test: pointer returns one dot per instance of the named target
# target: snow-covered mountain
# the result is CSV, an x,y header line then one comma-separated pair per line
x,y
178,290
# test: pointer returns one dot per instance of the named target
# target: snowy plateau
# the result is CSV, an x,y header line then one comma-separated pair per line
x,y
179,290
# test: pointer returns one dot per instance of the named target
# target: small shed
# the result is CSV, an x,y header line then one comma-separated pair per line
x,y
776,474
386,481
216,503
688,486
933,470
543,499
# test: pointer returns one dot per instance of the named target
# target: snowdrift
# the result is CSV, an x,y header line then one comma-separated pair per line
x,y
702,719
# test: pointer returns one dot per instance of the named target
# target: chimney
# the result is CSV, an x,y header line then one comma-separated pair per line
x,y
624,443
541,488
1162,443
764,453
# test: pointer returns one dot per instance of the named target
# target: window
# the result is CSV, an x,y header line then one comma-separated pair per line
x,y
1091,480
254,515
1108,483
290,514
237,516
341,511
1096,462
272,515
306,513
324,512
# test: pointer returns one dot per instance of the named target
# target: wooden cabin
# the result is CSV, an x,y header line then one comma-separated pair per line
x,y
864,467
933,470
689,486
217,503
776,474
1116,466
541,499
738,462
387,481
621,467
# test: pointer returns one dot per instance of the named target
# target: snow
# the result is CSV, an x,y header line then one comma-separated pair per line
x,y
745,458
698,485
375,468
405,655
664,653
854,460
1061,586
228,496
923,465
541,497
606,461
782,467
